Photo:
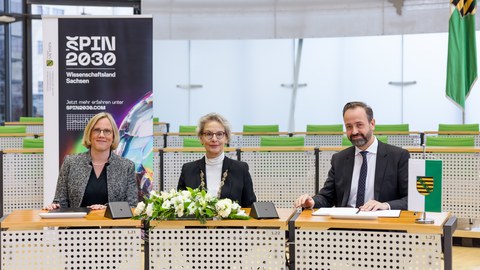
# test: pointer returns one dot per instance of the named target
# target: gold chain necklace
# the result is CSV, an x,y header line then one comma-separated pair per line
x,y
222,182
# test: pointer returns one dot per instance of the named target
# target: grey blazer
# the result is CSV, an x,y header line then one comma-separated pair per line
x,y
76,170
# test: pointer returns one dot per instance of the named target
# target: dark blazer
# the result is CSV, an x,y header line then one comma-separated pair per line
x,y
76,170
238,185
391,178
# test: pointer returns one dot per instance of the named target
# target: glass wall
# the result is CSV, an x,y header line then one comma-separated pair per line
x,y
246,80
17,65
2,74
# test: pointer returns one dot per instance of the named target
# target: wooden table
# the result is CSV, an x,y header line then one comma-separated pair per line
x,y
385,243
30,242
226,244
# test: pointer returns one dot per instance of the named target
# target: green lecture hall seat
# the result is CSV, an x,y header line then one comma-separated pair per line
x,y
155,120
468,141
187,129
31,119
13,129
260,128
32,143
458,127
392,128
191,142
267,141
325,128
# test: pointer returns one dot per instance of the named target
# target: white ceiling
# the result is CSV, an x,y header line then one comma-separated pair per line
x,y
262,19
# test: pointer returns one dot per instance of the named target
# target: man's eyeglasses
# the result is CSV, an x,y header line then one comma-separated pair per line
x,y
209,135
106,132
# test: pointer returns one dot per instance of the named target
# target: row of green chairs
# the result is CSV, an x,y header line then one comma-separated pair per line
x,y
266,141
339,128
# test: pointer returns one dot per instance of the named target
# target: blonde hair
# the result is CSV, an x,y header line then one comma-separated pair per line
x,y
89,128
214,117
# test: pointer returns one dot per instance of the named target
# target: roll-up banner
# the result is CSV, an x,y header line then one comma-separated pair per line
x,y
94,64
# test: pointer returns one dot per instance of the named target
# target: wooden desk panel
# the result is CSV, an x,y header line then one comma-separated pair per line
x,y
406,222
29,242
281,222
219,244
29,219
385,243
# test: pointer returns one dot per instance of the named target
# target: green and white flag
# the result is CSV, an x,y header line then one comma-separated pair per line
x,y
425,185
462,51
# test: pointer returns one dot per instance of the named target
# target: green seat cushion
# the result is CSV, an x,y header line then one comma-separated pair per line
x,y
266,141
13,129
450,142
187,129
347,142
458,127
31,119
392,128
260,128
325,128
191,142
32,143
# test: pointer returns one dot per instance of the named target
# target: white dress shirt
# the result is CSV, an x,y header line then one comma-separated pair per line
x,y
371,164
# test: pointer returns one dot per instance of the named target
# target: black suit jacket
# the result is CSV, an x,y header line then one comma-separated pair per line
x,y
238,185
391,178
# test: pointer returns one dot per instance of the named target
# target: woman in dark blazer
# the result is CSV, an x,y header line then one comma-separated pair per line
x,y
219,175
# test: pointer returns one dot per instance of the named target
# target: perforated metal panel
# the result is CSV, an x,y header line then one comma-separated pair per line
x,y
158,142
72,249
156,171
324,164
11,143
36,129
239,141
177,141
217,249
281,177
460,182
173,162
323,140
404,140
160,128
22,181
340,249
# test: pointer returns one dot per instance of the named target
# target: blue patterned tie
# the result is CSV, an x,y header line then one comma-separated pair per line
x,y
362,181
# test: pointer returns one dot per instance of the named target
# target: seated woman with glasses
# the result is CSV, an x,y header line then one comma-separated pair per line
x,y
98,176
219,175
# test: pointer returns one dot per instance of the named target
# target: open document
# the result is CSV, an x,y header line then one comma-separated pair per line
x,y
354,213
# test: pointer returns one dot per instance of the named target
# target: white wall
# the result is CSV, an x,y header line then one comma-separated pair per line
x,y
241,79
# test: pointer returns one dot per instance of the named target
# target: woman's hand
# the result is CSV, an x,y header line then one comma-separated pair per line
x,y
97,206
51,206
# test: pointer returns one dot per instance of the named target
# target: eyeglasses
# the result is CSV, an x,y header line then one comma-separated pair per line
x,y
209,135
106,132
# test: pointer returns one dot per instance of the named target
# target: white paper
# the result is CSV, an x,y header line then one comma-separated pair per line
x,y
340,211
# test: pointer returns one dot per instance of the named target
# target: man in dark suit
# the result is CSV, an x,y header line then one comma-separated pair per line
x,y
370,175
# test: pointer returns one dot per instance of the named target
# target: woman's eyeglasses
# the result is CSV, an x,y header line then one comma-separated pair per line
x,y
106,132
209,135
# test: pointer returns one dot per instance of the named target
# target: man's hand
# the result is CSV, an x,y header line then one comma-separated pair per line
x,y
51,206
373,205
305,201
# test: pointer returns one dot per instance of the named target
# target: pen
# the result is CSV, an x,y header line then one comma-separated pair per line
x,y
358,211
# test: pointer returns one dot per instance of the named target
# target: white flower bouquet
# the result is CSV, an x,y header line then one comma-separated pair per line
x,y
193,203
